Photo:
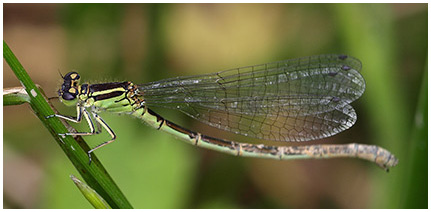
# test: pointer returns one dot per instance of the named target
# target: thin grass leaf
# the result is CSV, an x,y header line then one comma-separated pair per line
x,y
91,195
415,196
15,96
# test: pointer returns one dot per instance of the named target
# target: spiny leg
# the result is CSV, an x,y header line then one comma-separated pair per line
x,y
99,124
82,112
76,119
108,129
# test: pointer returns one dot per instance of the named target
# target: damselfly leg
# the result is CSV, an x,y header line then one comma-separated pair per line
x,y
82,112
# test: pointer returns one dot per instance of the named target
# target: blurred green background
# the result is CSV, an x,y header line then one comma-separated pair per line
x,y
147,42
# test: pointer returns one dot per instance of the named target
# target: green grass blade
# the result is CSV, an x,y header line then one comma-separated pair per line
x,y
372,39
75,148
91,195
15,96
415,194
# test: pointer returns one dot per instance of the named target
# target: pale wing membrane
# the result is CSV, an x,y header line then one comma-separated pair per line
x,y
282,128
293,100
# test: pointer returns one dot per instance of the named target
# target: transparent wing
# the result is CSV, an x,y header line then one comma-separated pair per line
x,y
292,100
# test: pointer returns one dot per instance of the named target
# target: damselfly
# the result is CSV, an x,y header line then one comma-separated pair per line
x,y
293,100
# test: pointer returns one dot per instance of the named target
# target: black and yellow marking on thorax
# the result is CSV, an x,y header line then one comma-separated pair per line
x,y
107,90
113,96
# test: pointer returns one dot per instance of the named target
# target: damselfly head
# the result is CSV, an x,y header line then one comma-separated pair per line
x,y
69,89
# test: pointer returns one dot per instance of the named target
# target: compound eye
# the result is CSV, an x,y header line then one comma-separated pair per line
x,y
68,96
72,76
